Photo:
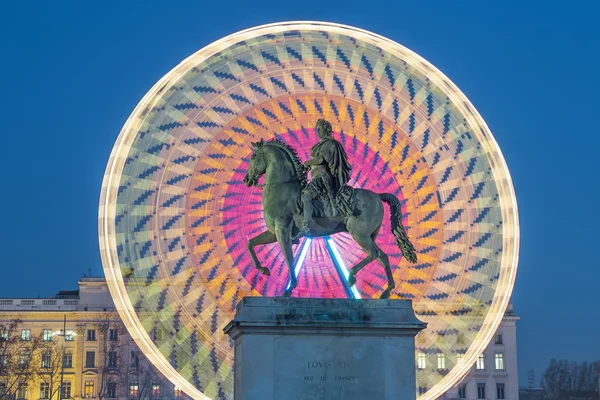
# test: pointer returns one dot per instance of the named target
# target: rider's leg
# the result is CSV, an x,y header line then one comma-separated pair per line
x,y
307,212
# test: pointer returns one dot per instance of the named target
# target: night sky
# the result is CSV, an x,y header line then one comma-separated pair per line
x,y
71,73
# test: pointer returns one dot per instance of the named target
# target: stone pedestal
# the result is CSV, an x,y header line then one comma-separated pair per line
x,y
329,349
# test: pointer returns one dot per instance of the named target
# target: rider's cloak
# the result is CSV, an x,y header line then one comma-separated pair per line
x,y
334,154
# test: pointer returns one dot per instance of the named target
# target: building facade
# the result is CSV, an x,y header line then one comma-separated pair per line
x,y
76,337
100,360
494,375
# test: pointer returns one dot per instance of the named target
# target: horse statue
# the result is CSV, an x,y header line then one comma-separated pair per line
x,y
285,179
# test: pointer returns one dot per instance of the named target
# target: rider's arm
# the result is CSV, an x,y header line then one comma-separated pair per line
x,y
318,160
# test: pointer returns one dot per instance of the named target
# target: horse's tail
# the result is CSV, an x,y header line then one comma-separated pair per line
x,y
408,250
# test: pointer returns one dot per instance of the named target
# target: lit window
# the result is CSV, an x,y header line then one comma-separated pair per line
x,y
499,358
69,335
3,333
134,391
156,391
177,392
46,360
25,334
460,358
481,362
500,391
91,335
421,361
44,390
499,339
441,361
48,335
22,391
111,390
3,360
88,390
90,359
462,392
66,390
481,390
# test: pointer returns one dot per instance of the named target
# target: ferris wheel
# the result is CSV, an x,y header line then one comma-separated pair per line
x,y
175,215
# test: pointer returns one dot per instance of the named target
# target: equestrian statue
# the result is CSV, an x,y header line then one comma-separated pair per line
x,y
294,207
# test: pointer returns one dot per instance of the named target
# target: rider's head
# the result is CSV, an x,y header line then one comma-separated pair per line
x,y
323,129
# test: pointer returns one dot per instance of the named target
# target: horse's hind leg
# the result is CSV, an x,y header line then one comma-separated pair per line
x,y
373,252
263,238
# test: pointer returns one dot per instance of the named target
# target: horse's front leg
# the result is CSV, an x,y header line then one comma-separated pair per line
x,y
263,238
284,237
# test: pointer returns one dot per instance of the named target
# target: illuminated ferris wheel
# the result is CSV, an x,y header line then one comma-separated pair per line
x,y
175,215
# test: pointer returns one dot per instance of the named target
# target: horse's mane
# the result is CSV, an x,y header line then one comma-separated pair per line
x,y
302,173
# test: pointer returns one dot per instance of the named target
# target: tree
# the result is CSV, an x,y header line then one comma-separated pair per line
x,y
569,380
111,362
142,376
19,359
50,368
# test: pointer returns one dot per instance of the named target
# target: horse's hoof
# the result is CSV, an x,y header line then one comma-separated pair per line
x,y
264,271
385,294
351,280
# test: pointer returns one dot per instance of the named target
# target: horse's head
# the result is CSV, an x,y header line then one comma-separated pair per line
x,y
258,164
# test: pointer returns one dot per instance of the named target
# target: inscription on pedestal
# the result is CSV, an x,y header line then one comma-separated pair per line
x,y
328,370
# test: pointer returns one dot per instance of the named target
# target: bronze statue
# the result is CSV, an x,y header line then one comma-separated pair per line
x,y
330,171
333,207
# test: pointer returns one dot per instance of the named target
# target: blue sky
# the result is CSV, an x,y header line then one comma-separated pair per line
x,y
71,72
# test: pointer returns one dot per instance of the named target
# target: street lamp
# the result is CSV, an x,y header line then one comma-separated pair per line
x,y
64,334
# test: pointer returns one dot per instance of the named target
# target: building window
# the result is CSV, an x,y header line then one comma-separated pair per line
x,y
421,390
112,359
2,390
113,335
421,361
46,359
481,390
500,391
111,390
91,335
48,335
3,334
441,361
499,339
460,358
25,334
155,391
44,390
88,389
24,358
66,390
3,360
69,335
480,362
134,391
462,392
90,359
134,360
68,360
177,392
22,391
499,359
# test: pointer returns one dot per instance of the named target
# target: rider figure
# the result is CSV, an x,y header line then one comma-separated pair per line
x,y
329,169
